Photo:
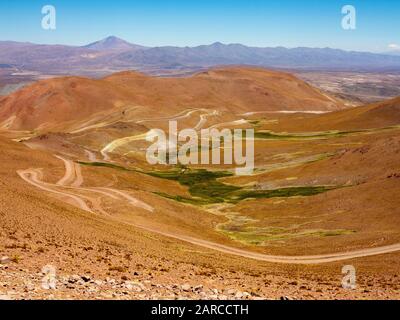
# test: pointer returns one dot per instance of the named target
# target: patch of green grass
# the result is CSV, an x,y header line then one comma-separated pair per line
x,y
282,193
181,199
202,184
255,122
189,177
320,135
264,236
105,164
205,189
334,233
269,135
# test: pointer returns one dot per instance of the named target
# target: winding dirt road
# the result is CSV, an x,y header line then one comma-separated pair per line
x,y
73,180
133,201
33,177
315,259
120,142
73,174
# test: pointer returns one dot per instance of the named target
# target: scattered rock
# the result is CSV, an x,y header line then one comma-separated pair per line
x,y
186,287
92,290
74,278
98,282
231,292
106,295
134,286
198,288
214,291
5,260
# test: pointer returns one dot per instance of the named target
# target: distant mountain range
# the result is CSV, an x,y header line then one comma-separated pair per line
x,y
394,53
114,54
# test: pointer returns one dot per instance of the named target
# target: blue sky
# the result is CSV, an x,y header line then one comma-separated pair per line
x,y
289,23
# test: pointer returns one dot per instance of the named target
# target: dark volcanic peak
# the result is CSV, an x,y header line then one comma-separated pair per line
x,y
112,43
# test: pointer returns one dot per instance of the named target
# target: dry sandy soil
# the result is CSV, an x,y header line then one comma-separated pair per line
x,y
77,193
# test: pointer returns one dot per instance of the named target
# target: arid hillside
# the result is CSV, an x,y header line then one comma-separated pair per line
x,y
380,115
58,103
